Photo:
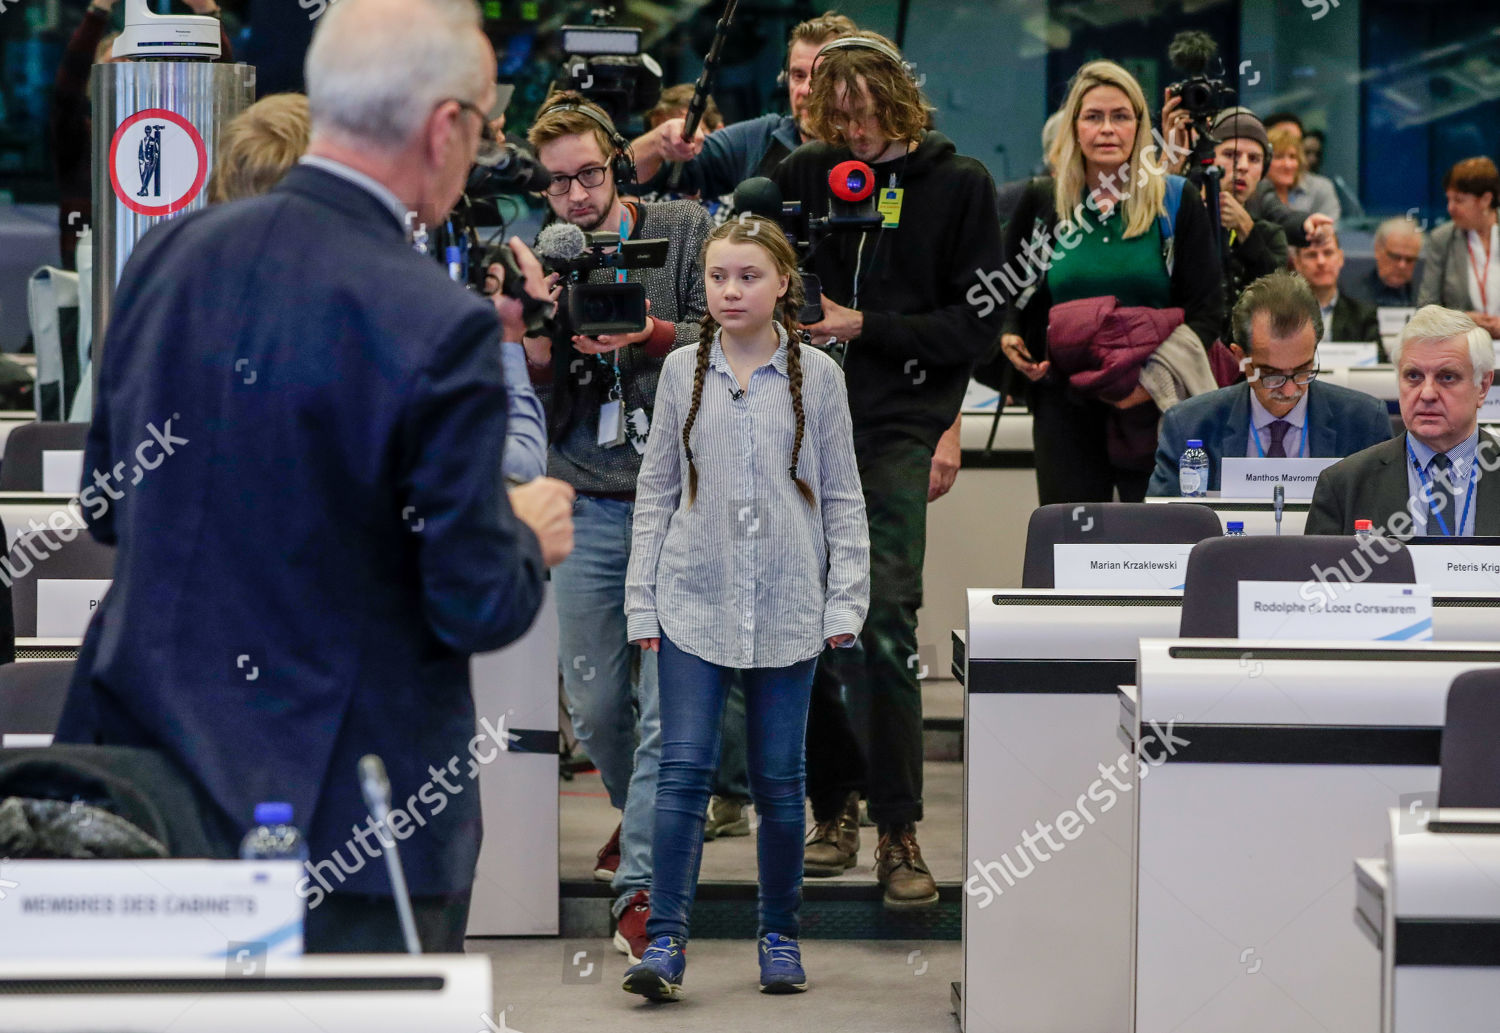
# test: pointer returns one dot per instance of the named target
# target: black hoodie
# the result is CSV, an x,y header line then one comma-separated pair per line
x,y
908,369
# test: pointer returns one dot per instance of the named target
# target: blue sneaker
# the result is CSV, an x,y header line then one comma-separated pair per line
x,y
781,965
659,975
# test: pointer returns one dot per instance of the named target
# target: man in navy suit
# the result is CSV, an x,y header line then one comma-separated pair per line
x,y
1281,412
323,539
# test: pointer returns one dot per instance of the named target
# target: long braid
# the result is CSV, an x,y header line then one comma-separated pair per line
x,y
794,377
706,329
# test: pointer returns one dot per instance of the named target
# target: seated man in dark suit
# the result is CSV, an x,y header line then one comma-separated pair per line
x,y
1438,478
1344,319
1281,411
321,538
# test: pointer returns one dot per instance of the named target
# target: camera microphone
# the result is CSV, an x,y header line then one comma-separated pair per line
x,y
511,171
759,195
560,244
851,181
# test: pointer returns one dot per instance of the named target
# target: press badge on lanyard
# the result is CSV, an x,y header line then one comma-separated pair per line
x,y
889,206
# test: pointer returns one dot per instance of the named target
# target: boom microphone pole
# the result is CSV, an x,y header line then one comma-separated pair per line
x,y
701,88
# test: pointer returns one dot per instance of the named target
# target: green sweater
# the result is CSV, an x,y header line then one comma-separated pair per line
x,y
1103,262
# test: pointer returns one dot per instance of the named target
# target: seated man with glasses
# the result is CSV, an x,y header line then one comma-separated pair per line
x,y
1280,412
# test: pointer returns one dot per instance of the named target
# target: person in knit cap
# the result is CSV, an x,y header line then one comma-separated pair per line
x,y
1257,246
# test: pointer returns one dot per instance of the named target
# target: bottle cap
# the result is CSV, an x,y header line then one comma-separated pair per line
x,y
273,814
1194,443
1364,525
1236,525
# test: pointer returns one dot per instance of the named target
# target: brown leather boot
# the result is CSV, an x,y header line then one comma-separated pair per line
x,y
833,845
900,869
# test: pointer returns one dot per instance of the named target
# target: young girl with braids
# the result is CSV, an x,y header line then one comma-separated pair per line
x,y
749,551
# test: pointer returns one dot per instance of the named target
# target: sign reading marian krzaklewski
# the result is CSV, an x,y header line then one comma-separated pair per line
x,y
1105,565
1303,610
1253,478
157,162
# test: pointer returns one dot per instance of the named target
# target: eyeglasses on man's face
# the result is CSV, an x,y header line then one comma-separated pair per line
x,y
589,177
1273,379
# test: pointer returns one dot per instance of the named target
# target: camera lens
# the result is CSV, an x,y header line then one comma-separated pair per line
x,y
854,182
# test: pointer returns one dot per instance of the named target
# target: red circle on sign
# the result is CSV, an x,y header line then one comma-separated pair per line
x,y
185,199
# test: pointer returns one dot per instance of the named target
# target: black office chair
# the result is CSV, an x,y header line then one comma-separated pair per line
x,y
22,468
32,695
81,558
1110,523
1211,597
1470,754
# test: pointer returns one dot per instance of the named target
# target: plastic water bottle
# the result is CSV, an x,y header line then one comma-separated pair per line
x,y
274,837
1192,470
1236,529
1364,530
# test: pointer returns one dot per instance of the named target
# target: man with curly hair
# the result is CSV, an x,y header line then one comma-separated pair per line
x,y
895,298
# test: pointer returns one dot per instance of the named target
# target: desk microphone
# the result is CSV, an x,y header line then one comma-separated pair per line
x,y
1278,496
376,789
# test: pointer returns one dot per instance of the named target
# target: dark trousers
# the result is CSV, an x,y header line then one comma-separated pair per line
x,y
353,923
1070,438
864,729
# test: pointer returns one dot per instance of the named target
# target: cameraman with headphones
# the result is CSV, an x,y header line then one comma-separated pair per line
x,y
599,393
753,147
896,298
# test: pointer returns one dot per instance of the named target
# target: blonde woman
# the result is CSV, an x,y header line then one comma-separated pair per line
x,y
1103,224
1288,178
258,146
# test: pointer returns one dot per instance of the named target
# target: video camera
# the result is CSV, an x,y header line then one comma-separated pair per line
x,y
1203,96
590,309
851,209
604,63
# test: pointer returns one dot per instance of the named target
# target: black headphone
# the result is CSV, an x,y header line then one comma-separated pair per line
x,y
865,43
621,162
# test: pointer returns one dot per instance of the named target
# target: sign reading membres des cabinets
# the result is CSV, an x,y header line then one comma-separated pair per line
x,y
157,162
1334,611
240,911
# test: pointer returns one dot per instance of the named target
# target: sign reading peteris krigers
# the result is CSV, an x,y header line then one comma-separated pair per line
x,y
157,162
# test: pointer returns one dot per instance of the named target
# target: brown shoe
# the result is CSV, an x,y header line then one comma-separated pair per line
x,y
900,869
832,846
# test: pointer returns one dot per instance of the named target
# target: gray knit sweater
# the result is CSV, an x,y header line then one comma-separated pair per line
x,y
580,383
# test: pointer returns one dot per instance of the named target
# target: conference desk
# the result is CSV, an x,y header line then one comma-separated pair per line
x,y
1277,767
1258,515
1040,670
22,510
1431,907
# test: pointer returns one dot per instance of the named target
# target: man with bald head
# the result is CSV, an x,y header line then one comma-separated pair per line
x,y
319,538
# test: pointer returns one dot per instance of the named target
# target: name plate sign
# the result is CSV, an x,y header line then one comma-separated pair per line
x,y
1310,610
1458,568
1343,354
1120,566
1254,478
240,911
64,607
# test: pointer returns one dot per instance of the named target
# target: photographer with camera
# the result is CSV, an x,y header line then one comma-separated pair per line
x,y
600,392
912,340
1256,247
1189,106
753,147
